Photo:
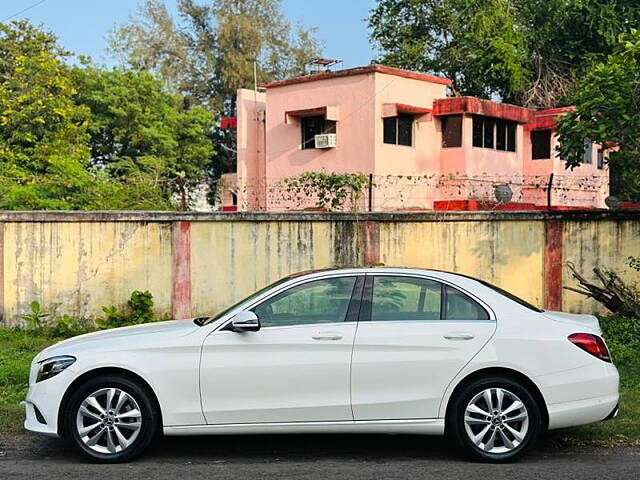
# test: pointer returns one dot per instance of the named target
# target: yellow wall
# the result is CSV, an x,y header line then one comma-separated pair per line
x,y
75,266
508,254
604,244
230,260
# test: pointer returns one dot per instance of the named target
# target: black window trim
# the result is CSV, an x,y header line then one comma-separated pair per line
x,y
367,297
352,310
507,124
397,130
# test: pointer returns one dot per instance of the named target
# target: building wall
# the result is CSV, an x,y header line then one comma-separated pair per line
x,y
251,188
422,158
406,177
586,185
355,145
197,264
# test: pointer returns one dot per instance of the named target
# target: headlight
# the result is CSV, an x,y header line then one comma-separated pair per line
x,y
53,366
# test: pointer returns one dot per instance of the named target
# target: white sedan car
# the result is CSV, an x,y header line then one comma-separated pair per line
x,y
384,350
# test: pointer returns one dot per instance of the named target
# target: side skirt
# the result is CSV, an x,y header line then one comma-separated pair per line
x,y
429,426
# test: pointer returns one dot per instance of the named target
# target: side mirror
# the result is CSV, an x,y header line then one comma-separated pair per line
x,y
245,321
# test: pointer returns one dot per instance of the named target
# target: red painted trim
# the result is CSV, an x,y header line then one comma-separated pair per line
x,y
371,243
554,111
478,106
553,265
181,247
306,112
398,72
477,205
227,123
623,205
404,108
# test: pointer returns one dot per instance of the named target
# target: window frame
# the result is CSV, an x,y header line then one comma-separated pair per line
x,y
327,126
396,120
444,120
587,154
537,133
352,309
508,127
366,302
600,159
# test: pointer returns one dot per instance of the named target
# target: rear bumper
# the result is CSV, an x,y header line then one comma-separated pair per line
x,y
579,396
614,413
581,412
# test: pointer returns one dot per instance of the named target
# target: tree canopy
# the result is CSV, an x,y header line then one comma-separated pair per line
x,y
86,138
529,52
209,52
607,111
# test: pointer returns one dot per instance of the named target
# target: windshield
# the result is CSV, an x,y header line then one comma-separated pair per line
x,y
511,296
206,320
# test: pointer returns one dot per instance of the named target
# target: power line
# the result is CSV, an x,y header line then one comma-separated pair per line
x,y
23,10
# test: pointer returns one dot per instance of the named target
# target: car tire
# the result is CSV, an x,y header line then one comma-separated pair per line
x,y
124,416
495,420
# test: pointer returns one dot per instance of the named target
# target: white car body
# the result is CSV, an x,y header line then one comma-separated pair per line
x,y
375,376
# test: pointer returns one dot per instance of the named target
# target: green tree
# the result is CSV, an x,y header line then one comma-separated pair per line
x,y
209,53
607,102
43,132
525,51
141,132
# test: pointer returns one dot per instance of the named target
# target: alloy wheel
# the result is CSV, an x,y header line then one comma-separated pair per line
x,y
108,421
496,420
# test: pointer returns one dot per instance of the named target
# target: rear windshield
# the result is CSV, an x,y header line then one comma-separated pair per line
x,y
511,296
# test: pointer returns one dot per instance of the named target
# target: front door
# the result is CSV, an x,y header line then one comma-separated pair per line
x,y
414,336
296,368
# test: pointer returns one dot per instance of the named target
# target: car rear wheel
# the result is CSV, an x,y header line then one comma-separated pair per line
x,y
495,420
111,419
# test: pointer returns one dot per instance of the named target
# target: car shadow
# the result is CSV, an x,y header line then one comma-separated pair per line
x,y
249,449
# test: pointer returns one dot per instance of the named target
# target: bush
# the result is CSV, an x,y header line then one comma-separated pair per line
x,y
36,318
139,310
623,339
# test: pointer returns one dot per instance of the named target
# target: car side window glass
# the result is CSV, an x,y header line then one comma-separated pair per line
x,y
405,299
318,301
461,307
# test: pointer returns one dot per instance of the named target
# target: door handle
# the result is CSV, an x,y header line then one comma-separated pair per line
x,y
459,336
327,336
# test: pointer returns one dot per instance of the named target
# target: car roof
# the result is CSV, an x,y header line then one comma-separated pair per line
x,y
377,268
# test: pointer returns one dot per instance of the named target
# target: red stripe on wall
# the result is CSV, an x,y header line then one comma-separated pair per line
x,y
371,243
553,265
181,247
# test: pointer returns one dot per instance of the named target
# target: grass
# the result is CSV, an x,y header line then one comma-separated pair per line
x,y
17,349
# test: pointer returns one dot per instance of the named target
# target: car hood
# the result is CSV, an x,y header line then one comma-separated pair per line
x,y
580,320
135,333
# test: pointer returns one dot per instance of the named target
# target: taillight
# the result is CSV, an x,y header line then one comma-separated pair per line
x,y
592,344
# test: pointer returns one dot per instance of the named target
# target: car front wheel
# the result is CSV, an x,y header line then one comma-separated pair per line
x,y
111,419
495,420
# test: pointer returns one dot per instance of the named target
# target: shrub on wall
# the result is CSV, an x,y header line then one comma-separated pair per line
x,y
331,191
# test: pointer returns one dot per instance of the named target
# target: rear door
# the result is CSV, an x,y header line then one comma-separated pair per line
x,y
414,335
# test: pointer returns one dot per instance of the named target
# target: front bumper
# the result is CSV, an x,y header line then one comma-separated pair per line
x,y
42,404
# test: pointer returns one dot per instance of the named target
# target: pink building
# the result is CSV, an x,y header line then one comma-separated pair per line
x,y
419,145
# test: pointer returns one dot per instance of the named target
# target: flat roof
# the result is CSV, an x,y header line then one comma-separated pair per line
x,y
399,72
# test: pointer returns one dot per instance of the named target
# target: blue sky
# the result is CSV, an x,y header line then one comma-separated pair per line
x,y
82,25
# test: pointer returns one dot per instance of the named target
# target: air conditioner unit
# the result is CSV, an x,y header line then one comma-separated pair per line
x,y
326,140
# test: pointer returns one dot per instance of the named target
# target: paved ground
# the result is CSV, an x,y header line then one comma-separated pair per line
x,y
311,456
